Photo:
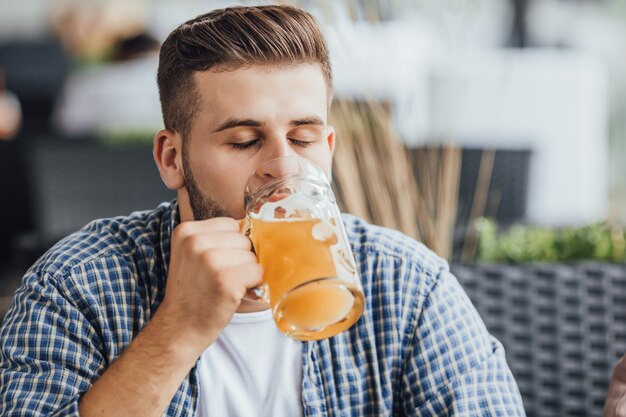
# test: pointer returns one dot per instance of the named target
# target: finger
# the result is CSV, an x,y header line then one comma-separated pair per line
x,y
244,226
249,275
198,243
225,224
228,240
217,224
219,259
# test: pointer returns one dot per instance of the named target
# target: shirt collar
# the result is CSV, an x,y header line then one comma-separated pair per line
x,y
171,219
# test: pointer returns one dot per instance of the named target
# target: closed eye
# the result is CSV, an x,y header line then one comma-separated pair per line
x,y
245,145
255,142
300,143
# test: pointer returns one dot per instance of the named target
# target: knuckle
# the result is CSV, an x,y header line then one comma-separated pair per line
x,y
252,259
258,270
225,286
228,288
245,241
235,296
181,231
220,281
191,243
211,257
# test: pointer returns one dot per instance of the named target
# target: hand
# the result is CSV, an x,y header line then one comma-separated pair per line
x,y
615,405
211,267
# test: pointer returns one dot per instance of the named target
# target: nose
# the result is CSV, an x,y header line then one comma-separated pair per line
x,y
280,159
279,167
272,169
278,146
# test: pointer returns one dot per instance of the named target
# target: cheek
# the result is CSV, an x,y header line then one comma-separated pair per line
x,y
222,182
323,160
218,178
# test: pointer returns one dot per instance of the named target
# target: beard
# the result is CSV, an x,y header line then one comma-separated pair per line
x,y
202,206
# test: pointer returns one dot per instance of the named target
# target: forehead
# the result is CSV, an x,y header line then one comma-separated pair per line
x,y
262,89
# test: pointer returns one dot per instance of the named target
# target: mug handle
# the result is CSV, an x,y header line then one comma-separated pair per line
x,y
259,293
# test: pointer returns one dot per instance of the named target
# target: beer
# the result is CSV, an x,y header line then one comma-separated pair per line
x,y
310,277
306,276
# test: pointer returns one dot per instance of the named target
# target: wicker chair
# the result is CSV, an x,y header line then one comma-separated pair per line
x,y
563,328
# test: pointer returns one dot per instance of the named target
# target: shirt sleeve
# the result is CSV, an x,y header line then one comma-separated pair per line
x,y
49,353
454,366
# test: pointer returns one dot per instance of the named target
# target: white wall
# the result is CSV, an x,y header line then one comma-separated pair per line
x,y
550,101
554,103
27,18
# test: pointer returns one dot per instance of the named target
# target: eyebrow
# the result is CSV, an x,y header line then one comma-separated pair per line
x,y
313,120
232,123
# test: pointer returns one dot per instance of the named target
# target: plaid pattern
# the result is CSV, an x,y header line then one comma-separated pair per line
x,y
420,348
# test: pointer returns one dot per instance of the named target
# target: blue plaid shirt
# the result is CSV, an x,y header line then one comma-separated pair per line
x,y
420,348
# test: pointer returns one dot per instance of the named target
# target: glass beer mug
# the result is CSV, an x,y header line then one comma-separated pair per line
x,y
310,278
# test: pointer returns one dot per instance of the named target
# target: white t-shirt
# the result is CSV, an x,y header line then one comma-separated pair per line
x,y
251,370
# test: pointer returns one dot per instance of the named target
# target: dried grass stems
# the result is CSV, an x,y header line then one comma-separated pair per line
x,y
438,170
376,178
479,204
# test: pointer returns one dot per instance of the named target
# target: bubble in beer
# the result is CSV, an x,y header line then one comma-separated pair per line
x,y
324,232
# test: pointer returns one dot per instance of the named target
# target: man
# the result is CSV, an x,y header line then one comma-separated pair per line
x,y
145,315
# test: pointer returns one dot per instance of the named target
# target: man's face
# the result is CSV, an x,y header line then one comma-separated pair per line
x,y
246,117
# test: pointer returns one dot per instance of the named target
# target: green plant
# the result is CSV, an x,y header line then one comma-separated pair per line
x,y
520,244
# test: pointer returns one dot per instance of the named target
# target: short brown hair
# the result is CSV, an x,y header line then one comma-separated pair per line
x,y
228,39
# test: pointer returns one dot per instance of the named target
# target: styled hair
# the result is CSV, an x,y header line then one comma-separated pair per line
x,y
229,39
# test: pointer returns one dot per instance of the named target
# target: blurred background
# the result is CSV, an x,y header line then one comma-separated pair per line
x,y
491,130
521,104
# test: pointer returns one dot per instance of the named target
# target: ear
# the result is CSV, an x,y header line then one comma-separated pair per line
x,y
167,153
330,138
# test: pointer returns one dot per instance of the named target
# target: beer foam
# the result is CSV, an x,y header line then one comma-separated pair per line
x,y
292,207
